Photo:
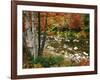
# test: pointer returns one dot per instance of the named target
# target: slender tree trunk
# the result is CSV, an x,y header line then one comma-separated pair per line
x,y
44,35
34,37
39,34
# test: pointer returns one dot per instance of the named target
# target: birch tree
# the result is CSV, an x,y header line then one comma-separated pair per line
x,y
30,34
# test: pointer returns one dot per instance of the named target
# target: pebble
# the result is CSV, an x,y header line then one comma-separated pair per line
x,y
85,53
75,48
75,40
70,48
65,46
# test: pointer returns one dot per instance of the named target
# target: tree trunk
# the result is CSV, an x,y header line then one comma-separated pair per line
x,y
31,36
34,37
39,34
44,35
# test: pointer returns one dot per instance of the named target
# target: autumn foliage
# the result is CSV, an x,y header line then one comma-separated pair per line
x,y
70,21
62,37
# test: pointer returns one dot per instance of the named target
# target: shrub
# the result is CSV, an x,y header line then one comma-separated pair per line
x,y
47,61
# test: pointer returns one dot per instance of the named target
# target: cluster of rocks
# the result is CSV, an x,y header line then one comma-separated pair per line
x,y
57,46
